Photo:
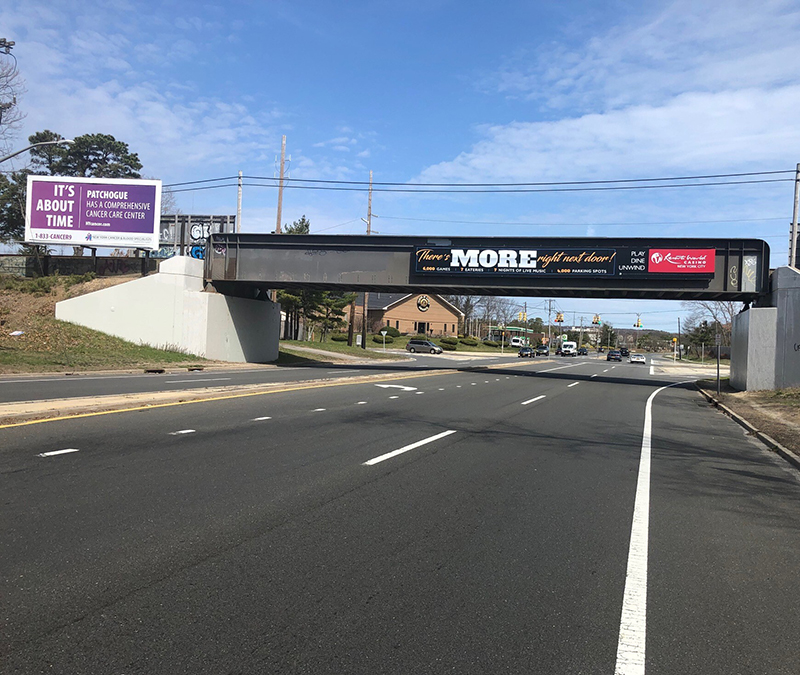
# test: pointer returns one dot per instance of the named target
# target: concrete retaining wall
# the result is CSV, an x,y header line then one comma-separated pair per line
x,y
766,339
753,352
169,310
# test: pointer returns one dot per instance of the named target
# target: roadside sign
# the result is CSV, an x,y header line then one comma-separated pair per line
x,y
106,212
383,332
719,339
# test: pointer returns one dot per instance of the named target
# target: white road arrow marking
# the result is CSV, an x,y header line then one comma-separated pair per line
x,y
396,386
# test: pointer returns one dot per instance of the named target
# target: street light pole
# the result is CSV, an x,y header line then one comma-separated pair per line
x,y
68,141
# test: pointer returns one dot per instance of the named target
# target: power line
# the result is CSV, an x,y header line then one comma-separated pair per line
x,y
527,190
538,184
546,224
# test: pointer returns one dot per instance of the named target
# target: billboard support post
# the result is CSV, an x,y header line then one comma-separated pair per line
x,y
793,262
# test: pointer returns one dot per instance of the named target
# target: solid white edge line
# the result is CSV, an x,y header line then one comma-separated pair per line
x,y
538,398
182,431
573,384
406,448
633,622
57,452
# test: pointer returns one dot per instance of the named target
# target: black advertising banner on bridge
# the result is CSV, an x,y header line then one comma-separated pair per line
x,y
585,262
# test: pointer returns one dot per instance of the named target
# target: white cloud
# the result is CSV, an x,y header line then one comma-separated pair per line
x,y
696,87
700,131
683,46
81,80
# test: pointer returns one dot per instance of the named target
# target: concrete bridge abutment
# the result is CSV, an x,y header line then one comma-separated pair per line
x,y
766,339
170,310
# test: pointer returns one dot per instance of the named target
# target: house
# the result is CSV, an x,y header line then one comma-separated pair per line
x,y
410,313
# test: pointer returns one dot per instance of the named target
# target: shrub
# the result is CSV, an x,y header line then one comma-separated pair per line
x,y
339,337
419,337
470,342
491,343
448,346
391,332
449,341
379,339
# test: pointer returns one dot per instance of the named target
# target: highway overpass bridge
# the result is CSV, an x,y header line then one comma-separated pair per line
x,y
247,265
239,323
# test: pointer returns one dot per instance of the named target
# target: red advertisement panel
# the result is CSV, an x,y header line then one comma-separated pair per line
x,y
681,260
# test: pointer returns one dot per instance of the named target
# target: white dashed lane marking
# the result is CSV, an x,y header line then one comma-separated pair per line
x,y
57,452
260,419
182,431
532,400
406,448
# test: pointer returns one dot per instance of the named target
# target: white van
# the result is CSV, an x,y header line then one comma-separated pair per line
x,y
517,342
569,349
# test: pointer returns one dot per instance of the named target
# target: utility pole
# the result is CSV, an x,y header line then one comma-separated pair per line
x,y
366,294
549,312
580,338
280,186
274,293
239,206
680,355
793,261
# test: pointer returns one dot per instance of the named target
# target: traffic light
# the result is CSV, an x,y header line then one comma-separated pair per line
x,y
560,317
519,316
638,323
596,320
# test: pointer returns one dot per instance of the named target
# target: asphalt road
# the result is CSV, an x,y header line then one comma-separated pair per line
x,y
479,522
38,388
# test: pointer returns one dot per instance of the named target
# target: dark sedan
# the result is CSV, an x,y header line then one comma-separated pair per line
x,y
614,355
527,352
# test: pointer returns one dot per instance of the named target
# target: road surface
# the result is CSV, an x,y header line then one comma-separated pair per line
x,y
494,521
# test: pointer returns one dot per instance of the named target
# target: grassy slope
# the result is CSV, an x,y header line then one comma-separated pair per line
x,y
50,345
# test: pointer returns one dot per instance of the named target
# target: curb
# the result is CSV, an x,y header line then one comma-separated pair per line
x,y
770,442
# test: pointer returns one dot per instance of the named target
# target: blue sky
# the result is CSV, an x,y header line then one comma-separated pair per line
x,y
438,91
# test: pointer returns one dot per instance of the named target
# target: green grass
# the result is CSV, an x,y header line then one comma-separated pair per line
x,y
52,345
342,348
43,285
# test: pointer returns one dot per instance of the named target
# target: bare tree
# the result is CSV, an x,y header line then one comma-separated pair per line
x,y
11,90
169,205
718,311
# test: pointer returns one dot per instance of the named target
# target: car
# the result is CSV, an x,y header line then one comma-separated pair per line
x,y
558,351
423,346
614,355
542,350
582,351
624,351
527,352
638,358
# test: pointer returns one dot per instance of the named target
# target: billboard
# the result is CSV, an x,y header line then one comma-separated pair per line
x,y
109,212
581,262
681,260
